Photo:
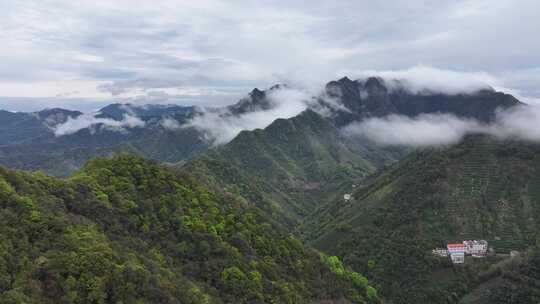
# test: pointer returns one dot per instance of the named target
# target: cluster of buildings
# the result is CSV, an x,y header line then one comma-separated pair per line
x,y
457,251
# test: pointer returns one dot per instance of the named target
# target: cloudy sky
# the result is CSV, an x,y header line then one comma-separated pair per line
x,y
82,54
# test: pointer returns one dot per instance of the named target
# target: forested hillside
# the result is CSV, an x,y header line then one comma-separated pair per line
x,y
291,166
126,230
514,281
479,189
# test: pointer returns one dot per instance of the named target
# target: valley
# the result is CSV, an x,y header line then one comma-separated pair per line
x,y
379,209
269,152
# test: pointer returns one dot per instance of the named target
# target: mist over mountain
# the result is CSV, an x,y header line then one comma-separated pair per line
x,y
292,154
269,152
481,188
171,133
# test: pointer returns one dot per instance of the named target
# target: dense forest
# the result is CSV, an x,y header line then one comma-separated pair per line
x,y
127,230
290,167
262,219
478,189
513,281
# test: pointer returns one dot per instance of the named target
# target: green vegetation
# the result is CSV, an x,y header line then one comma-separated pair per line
x,y
126,230
479,189
289,168
513,281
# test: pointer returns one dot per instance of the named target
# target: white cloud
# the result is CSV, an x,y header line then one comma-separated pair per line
x,y
220,126
520,122
424,130
73,125
420,78
244,44
170,124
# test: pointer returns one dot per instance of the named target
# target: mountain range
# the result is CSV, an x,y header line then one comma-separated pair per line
x,y
291,177
59,141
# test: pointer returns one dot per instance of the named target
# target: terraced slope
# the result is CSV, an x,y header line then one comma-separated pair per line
x,y
479,189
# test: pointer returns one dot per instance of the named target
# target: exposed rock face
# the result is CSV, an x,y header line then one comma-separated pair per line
x,y
378,97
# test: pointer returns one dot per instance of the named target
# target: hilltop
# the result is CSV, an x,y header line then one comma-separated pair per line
x,y
127,230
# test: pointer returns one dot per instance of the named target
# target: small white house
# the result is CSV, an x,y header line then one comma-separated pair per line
x,y
347,197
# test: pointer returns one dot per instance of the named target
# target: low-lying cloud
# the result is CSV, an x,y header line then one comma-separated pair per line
x,y
518,122
222,126
73,125
169,124
425,130
421,78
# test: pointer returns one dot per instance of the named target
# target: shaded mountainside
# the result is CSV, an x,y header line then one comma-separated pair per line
x,y
28,141
479,189
377,97
515,281
127,230
146,113
296,165
291,166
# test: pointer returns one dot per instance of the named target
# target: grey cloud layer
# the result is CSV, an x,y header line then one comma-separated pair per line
x,y
89,121
244,44
444,129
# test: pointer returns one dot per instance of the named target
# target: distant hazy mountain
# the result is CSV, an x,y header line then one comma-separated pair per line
x,y
59,141
375,97
29,141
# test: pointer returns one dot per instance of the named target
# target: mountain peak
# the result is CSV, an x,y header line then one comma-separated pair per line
x,y
54,116
256,93
256,100
375,86
345,79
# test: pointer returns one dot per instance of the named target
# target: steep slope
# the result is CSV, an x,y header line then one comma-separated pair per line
x,y
513,282
290,167
377,97
479,189
295,165
127,230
